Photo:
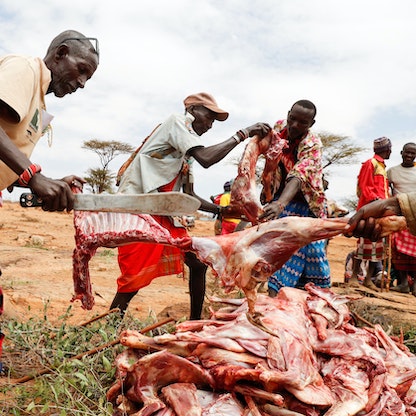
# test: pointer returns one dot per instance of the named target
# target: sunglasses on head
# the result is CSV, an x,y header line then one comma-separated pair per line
x,y
93,41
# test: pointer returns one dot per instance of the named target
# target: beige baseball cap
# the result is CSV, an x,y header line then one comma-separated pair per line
x,y
207,101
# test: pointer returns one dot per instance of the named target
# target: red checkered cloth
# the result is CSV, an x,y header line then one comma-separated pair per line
x,y
405,243
1,334
370,250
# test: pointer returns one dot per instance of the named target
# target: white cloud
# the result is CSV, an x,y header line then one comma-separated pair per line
x,y
353,58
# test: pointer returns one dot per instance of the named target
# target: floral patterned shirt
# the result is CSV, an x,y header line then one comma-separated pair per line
x,y
303,160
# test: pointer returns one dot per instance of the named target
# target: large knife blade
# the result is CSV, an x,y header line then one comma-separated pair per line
x,y
163,203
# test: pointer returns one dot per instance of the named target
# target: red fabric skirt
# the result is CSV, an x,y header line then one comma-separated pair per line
x,y
404,251
1,334
140,263
405,243
228,227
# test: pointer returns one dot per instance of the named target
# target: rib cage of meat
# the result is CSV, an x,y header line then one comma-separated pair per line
x,y
244,198
111,229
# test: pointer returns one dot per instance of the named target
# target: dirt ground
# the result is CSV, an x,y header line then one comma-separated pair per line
x,y
36,262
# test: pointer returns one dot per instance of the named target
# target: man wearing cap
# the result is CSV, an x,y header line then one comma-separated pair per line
x,y
372,185
164,163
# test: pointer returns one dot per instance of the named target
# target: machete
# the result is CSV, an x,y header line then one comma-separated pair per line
x,y
158,203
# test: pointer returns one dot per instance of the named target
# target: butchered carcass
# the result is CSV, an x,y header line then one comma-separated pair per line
x,y
250,256
243,258
349,383
160,369
244,195
183,399
326,309
400,367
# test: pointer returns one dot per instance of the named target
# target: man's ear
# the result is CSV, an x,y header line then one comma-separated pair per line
x,y
61,51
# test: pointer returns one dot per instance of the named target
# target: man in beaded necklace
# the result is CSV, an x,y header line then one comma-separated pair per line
x,y
298,191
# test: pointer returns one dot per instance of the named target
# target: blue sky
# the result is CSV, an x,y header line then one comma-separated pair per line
x,y
354,59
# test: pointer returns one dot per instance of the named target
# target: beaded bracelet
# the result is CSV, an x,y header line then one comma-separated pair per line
x,y
28,174
236,137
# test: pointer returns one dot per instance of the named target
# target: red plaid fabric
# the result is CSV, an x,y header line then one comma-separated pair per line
x,y
140,263
405,243
370,250
1,334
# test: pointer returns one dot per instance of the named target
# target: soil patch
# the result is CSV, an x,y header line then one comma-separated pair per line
x,y
36,261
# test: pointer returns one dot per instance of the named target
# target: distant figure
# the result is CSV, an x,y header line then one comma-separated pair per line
x,y
228,224
377,273
217,224
402,179
334,210
372,185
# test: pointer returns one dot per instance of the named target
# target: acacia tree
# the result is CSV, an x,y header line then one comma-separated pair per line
x,y
338,150
101,179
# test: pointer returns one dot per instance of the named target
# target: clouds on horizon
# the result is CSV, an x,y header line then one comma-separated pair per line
x,y
353,59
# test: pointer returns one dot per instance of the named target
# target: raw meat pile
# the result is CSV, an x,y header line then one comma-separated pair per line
x,y
302,357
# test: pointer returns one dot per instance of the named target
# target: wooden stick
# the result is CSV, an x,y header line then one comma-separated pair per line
x,y
91,352
100,316
360,318
385,284
382,274
389,265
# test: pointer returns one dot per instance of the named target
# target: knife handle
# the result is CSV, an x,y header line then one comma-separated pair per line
x,y
30,200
